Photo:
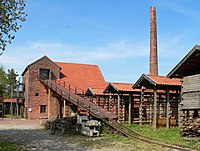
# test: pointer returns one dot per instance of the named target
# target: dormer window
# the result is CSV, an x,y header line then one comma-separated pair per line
x,y
44,73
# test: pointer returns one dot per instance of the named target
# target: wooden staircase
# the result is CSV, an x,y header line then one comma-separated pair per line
x,y
66,92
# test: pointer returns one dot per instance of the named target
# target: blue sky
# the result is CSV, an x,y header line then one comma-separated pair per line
x,y
113,34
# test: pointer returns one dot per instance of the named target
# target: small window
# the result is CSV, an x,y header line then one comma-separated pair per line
x,y
44,73
36,94
42,108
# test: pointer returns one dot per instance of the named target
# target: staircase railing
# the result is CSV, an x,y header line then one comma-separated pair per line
x,y
70,87
70,95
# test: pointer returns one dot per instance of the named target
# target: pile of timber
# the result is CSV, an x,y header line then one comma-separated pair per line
x,y
191,127
62,125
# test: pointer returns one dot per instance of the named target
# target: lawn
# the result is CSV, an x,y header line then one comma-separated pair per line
x,y
7,146
170,136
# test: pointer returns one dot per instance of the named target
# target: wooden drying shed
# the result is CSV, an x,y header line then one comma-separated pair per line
x,y
121,96
188,69
162,99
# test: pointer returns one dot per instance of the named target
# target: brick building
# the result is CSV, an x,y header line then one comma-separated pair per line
x,y
87,81
38,103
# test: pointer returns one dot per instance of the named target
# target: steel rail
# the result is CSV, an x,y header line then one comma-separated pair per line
x,y
132,134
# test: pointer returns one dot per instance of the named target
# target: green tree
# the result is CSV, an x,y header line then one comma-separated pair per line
x,y
3,82
11,14
11,83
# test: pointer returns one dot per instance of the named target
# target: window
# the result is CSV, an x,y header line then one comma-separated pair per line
x,y
44,73
42,108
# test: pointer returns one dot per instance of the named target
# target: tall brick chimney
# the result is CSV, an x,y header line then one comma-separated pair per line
x,y
153,43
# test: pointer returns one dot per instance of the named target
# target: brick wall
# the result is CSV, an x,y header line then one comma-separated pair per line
x,y
35,92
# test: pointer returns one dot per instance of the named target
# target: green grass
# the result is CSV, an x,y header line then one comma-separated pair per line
x,y
7,146
170,136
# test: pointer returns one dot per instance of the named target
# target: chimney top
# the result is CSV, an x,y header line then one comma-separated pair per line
x,y
153,8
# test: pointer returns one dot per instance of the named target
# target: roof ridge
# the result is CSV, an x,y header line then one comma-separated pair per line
x,y
122,83
156,75
160,76
76,63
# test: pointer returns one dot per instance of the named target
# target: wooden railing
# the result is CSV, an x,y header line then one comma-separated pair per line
x,y
70,87
84,104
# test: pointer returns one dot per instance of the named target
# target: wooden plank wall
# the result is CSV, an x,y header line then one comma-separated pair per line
x,y
191,92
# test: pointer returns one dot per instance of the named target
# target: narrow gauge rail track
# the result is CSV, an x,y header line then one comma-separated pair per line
x,y
132,134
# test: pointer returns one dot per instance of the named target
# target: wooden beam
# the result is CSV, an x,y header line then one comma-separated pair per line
x,y
155,107
118,106
179,108
110,102
49,104
132,111
129,108
167,108
64,108
141,106
150,110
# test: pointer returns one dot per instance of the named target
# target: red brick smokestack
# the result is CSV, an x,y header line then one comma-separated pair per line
x,y
153,43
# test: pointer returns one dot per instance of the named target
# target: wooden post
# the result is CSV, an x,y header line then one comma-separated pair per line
x,y
107,103
155,107
118,106
64,114
122,103
89,111
150,110
115,105
158,107
11,105
49,104
17,105
129,109
110,102
132,110
141,105
179,108
167,108
2,111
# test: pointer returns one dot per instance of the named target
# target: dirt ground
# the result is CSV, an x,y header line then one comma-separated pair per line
x,y
30,134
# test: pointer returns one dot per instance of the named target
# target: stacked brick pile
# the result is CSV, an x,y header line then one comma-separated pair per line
x,y
191,127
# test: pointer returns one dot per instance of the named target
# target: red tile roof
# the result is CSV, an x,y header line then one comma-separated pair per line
x,y
82,76
98,91
116,86
123,86
13,100
163,80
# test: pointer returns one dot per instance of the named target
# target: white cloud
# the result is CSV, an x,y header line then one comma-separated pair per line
x,y
18,57
73,53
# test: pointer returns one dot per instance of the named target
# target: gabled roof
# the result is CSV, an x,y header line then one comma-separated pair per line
x,y
95,91
119,87
147,80
189,65
82,76
34,63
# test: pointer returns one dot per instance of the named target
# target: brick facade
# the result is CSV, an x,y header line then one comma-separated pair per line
x,y
36,94
41,102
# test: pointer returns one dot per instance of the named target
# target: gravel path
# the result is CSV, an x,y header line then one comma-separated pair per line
x,y
34,138
30,134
